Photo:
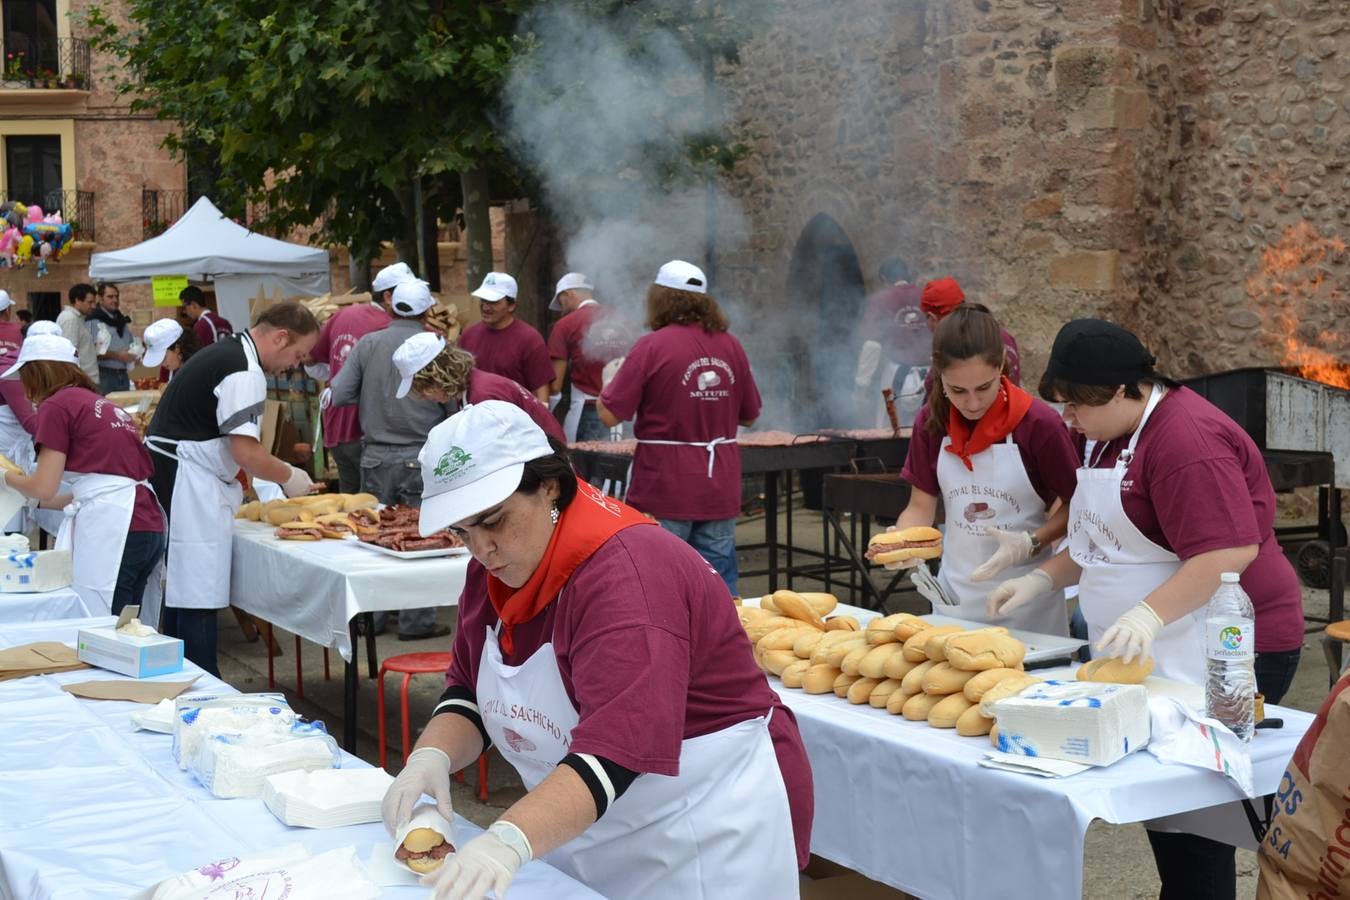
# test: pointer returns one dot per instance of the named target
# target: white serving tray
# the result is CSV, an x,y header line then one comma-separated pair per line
x,y
411,554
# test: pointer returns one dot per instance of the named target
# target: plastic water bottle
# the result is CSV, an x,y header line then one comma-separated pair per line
x,y
1230,657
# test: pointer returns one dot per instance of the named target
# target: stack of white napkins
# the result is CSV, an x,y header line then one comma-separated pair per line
x,y
1081,722
327,798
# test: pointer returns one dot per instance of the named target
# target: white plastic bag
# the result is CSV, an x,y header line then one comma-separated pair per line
x,y
1182,736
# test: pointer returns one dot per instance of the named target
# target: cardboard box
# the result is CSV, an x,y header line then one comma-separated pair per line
x,y
138,657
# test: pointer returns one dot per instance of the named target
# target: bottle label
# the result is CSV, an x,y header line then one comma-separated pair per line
x,y
1230,638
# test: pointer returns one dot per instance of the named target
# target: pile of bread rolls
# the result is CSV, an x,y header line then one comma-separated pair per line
x,y
945,675
315,516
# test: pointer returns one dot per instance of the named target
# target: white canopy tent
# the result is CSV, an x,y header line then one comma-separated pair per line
x,y
207,247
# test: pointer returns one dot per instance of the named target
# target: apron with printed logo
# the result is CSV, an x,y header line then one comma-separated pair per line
x,y
1121,566
720,829
997,493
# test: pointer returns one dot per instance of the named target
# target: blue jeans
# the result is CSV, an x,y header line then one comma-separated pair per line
x,y
142,551
589,427
714,539
110,380
1275,673
197,629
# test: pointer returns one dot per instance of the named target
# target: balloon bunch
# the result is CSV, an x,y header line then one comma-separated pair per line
x,y
28,233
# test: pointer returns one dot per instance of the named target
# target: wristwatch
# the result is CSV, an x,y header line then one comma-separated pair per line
x,y
511,835
1036,546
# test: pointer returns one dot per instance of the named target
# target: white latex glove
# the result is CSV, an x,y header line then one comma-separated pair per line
x,y
1132,635
1018,592
868,360
319,371
1014,549
610,370
427,772
298,484
326,398
486,863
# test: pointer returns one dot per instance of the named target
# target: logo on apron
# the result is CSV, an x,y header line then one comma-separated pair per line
x,y
517,741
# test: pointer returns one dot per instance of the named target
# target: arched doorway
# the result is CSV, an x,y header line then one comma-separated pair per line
x,y
825,298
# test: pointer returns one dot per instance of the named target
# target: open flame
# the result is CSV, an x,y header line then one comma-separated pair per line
x,y
1293,279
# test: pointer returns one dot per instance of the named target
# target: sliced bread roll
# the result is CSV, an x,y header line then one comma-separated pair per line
x,y
1114,670
980,650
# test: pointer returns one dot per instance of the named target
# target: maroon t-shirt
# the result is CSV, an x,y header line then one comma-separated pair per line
x,y
1198,483
11,336
13,396
98,436
1043,441
342,424
651,652
490,386
588,337
211,327
685,384
516,352
894,320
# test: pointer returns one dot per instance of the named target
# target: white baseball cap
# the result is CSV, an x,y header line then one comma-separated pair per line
x,y
495,286
160,335
44,326
391,276
570,282
51,347
6,301
412,298
682,276
412,357
474,460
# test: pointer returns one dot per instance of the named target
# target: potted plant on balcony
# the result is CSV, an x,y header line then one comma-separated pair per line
x,y
48,78
75,80
14,70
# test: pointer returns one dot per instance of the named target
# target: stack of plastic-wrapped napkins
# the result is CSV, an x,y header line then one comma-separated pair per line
x,y
326,798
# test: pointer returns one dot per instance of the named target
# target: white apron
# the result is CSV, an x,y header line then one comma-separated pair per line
x,y
16,444
577,399
710,446
201,523
1121,566
720,829
997,494
99,518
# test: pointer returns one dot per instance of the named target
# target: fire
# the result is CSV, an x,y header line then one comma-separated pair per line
x,y
1293,277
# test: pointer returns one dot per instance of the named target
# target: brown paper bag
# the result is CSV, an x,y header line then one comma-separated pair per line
x,y
39,658
1306,852
150,692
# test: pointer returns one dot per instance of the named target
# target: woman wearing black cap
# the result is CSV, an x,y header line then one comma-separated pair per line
x,y
1172,494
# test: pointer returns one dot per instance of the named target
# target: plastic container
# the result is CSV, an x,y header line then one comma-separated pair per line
x,y
1230,658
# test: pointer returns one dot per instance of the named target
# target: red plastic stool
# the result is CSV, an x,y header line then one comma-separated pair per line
x,y
410,664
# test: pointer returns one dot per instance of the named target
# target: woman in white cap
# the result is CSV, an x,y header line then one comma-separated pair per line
x,y
433,370
689,385
604,660
114,527
167,345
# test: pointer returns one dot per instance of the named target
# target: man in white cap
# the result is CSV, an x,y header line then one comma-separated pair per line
x,y
502,343
393,428
341,424
587,337
11,333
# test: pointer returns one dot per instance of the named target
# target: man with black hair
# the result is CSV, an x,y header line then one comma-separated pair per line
x,y
116,360
76,329
208,325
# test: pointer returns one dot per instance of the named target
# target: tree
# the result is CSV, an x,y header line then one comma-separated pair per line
x,y
326,115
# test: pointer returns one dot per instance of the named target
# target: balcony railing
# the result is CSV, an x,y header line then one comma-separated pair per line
x,y
76,209
160,209
45,62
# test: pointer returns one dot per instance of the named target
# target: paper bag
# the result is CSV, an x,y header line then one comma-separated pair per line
x,y
39,658
1306,852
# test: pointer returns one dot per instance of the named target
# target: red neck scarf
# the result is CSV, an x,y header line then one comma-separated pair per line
x,y
1008,410
589,520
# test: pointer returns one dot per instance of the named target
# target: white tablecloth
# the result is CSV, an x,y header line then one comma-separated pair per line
x,y
63,603
907,804
315,588
91,809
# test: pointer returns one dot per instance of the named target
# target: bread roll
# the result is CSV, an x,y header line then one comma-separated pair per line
x,y
278,515
760,627
1008,687
842,623
916,648
792,676
917,708
806,643
851,662
882,630
837,651
936,647
917,542
766,602
776,661
895,703
949,710
944,679
791,604
822,603
897,666
882,692
780,638
1114,670
909,625
352,502
249,511
973,722
819,679
912,683
842,682
860,690
980,650
748,614
983,681
873,665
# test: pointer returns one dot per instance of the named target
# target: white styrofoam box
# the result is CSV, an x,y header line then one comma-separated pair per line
x,y
139,657
35,570
1078,721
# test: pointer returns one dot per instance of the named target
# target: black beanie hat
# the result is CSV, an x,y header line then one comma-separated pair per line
x,y
1091,351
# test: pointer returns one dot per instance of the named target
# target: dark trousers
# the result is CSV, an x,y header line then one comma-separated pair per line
x,y
347,458
141,553
197,630
1191,866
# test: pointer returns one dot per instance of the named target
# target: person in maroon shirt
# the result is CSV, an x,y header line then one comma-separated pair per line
x,y
502,343
603,659
11,332
436,371
118,527
586,338
208,326
896,343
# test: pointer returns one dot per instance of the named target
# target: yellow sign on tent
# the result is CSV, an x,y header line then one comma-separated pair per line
x,y
166,289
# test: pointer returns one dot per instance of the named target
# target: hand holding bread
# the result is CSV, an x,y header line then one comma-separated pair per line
x,y
905,548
